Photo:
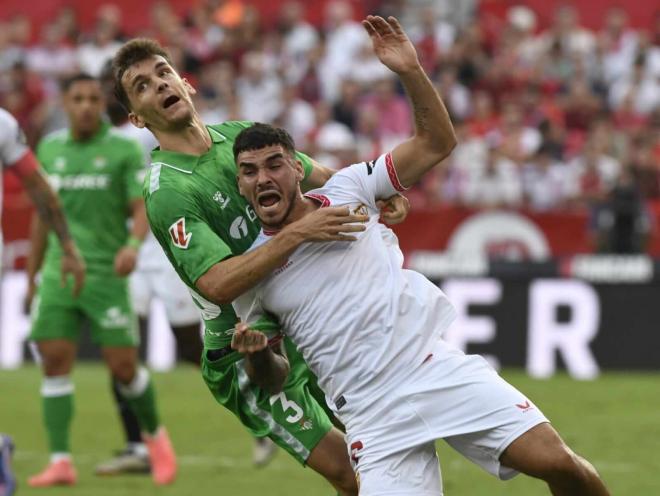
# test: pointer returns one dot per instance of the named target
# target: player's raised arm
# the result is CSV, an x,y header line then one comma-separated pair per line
x,y
434,136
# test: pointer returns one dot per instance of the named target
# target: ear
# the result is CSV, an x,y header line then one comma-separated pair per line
x,y
300,171
189,87
136,120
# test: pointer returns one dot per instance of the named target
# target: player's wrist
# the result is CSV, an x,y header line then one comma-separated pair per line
x,y
133,242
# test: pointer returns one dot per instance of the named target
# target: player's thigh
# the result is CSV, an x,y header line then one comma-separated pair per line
x,y
54,313
537,452
179,306
411,472
292,419
141,291
106,303
330,459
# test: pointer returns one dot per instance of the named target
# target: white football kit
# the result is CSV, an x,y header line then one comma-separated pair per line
x,y
12,150
371,332
154,276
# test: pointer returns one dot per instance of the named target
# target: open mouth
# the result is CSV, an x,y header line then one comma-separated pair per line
x,y
268,199
170,100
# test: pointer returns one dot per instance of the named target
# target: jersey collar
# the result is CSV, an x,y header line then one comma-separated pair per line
x,y
182,161
100,134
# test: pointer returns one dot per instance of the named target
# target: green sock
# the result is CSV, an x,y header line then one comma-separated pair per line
x,y
141,397
57,400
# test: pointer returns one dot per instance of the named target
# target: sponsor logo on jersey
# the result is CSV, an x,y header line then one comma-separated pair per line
x,y
180,237
238,228
361,209
370,167
283,267
80,182
221,199
525,407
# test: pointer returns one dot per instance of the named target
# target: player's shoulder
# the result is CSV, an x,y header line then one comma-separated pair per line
x,y
7,121
55,137
230,129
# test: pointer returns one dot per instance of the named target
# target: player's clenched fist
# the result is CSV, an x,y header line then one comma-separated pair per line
x,y
246,340
329,224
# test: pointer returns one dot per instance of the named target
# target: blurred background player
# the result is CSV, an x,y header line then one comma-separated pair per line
x,y
7,478
97,174
154,277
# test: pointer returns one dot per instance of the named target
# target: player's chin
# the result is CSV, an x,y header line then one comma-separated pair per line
x,y
272,215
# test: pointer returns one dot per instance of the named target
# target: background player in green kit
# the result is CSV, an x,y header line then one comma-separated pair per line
x,y
204,225
97,175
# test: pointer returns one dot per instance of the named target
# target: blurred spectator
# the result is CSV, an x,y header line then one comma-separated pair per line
x,y
566,35
297,117
496,184
433,37
623,223
642,90
346,108
52,57
618,43
455,95
545,181
393,111
94,54
259,93
594,175
333,143
516,141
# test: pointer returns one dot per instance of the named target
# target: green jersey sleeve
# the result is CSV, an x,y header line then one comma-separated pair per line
x,y
185,236
306,163
134,171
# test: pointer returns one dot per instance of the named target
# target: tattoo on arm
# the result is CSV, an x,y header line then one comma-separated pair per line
x,y
49,208
421,114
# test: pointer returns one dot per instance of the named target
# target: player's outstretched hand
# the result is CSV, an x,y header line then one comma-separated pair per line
x,y
329,224
72,263
391,44
394,210
125,260
246,340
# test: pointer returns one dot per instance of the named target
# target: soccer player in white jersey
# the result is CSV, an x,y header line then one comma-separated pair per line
x,y
371,330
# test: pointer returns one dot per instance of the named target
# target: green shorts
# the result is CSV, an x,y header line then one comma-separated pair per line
x,y
103,301
295,419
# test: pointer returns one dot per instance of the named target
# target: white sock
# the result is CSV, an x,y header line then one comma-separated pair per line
x,y
56,457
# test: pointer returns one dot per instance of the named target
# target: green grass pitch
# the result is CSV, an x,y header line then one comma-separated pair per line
x,y
614,422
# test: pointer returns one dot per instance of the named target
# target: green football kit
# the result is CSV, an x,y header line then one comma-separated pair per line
x,y
199,218
96,179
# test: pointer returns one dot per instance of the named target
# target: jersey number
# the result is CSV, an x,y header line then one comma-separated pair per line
x,y
288,404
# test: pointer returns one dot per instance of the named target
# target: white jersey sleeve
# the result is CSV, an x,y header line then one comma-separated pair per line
x,y
12,140
368,181
248,307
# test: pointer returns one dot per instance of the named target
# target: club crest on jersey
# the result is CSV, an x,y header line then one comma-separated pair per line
x,y
221,199
180,237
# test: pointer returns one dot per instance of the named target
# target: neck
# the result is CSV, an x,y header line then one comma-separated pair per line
x,y
301,207
84,135
193,139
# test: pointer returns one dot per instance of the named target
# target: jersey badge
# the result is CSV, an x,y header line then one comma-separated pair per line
x,y
361,209
180,237
100,162
59,164
221,199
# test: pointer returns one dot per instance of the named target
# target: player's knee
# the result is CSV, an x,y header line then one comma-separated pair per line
x,y
564,466
123,370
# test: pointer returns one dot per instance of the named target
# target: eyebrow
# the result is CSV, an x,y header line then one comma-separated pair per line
x,y
270,158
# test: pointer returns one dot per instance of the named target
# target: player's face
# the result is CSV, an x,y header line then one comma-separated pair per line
x,y
269,179
84,105
160,99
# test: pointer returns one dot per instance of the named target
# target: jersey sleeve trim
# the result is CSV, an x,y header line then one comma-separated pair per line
x,y
322,199
391,172
25,165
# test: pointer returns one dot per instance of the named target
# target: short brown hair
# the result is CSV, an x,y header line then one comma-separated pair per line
x,y
131,53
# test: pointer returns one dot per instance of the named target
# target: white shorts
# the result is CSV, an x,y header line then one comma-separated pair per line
x,y
450,396
164,284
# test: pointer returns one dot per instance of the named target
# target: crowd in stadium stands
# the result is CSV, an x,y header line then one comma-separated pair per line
x,y
549,119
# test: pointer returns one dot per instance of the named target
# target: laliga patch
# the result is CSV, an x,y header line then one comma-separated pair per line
x,y
180,237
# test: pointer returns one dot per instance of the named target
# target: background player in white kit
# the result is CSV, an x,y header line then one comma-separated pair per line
x,y
371,331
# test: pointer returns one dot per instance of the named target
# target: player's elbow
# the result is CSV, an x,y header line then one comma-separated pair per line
x,y
440,147
215,291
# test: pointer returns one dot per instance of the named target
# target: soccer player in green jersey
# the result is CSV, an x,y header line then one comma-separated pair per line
x,y
96,173
204,226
